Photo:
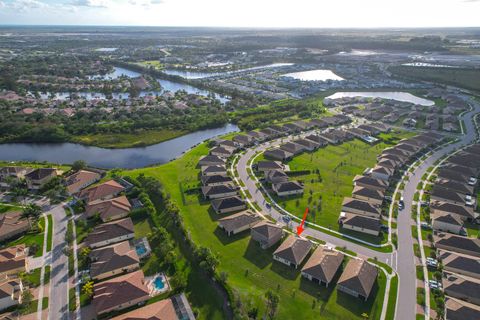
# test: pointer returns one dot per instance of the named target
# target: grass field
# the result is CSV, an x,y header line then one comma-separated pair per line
x,y
465,78
8,208
128,140
337,166
50,233
151,63
250,269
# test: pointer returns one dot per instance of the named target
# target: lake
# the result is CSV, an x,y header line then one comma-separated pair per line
x,y
200,75
392,95
167,85
314,75
110,158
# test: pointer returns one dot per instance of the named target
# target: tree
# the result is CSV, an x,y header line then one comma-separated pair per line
x,y
31,211
79,165
87,289
27,298
272,303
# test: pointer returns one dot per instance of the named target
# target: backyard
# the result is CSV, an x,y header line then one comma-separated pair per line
x,y
250,269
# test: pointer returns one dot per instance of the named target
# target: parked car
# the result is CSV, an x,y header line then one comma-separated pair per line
x,y
286,219
425,226
401,204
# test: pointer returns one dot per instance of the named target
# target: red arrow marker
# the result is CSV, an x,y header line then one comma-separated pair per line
x,y
300,228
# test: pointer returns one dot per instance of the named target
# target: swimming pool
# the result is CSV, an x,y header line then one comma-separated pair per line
x,y
158,283
140,248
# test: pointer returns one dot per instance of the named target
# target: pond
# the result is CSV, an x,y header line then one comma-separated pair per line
x,y
167,85
314,75
391,95
110,158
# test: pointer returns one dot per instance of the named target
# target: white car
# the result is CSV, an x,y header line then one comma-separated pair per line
x,y
472,181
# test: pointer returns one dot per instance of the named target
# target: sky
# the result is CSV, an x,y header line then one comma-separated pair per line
x,y
245,13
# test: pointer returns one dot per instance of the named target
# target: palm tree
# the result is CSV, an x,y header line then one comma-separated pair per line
x,y
31,211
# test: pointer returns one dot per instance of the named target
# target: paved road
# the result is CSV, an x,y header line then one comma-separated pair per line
x,y
58,302
405,262
259,198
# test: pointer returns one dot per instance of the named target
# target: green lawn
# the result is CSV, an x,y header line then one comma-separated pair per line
x,y
50,233
250,269
392,299
337,166
128,140
32,278
32,239
46,278
72,302
8,208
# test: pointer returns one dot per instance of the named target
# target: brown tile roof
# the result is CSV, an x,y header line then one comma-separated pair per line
x,y
12,222
447,218
110,230
119,291
109,208
267,229
460,310
101,191
294,249
80,179
12,258
9,288
359,276
238,220
323,264
113,257
457,242
367,192
160,310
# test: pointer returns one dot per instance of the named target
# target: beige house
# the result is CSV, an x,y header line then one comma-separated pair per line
x,y
323,265
360,223
13,260
81,179
110,232
39,177
112,260
111,209
361,207
230,204
447,222
120,293
266,233
12,225
103,191
460,264
463,288
10,293
374,196
458,244
292,251
238,222
358,278
289,188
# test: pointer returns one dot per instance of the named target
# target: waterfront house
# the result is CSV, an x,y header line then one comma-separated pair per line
x,y
110,209
37,178
80,179
103,191
216,180
219,191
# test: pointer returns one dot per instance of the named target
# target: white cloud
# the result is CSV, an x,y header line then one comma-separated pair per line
x,y
24,5
92,3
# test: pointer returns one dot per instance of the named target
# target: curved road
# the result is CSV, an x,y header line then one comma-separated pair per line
x,y
403,259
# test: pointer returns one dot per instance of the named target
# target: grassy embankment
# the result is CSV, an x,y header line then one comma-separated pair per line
x,y
250,269
128,140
